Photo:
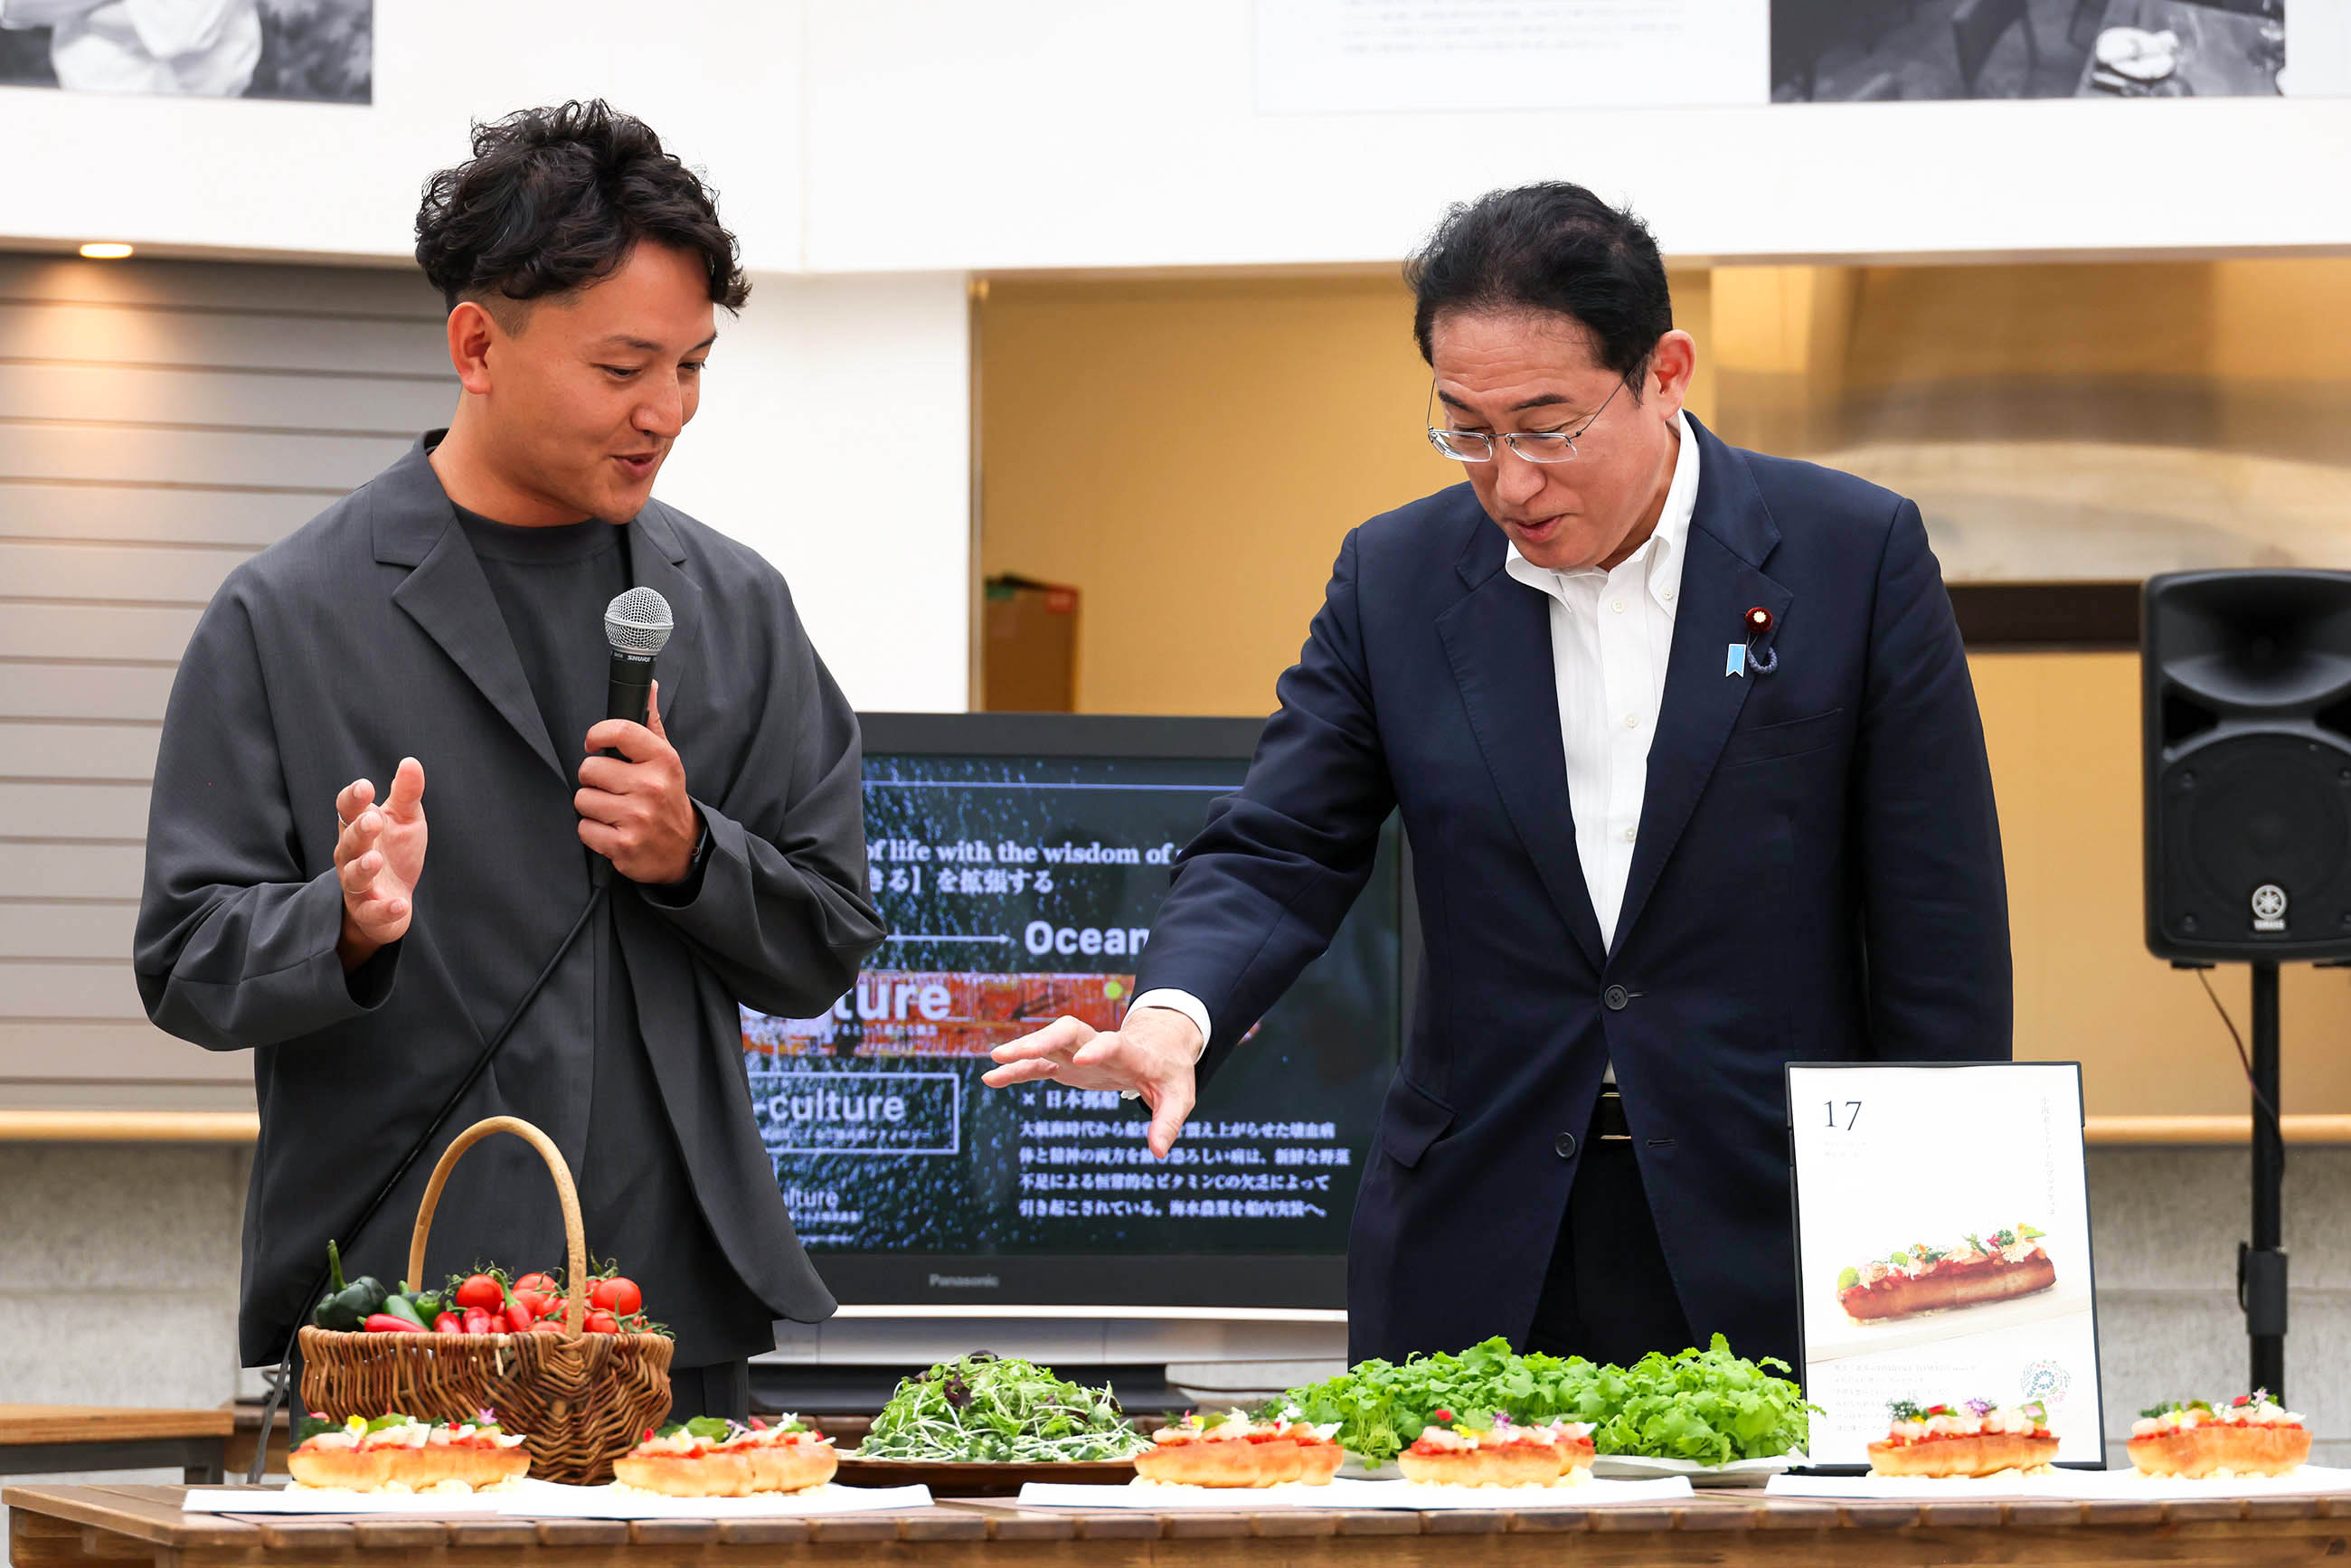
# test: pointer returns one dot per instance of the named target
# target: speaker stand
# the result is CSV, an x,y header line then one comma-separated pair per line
x,y
2261,1267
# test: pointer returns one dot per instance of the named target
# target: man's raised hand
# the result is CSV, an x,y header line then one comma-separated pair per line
x,y
378,855
1151,1052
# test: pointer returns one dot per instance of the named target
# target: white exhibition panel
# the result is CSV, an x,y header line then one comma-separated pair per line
x,y
921,135
717,78
1034,134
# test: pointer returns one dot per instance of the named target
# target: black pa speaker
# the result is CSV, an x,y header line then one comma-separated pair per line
x,y
2246,739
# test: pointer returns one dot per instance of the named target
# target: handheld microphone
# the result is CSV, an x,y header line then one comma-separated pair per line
x,y
637,624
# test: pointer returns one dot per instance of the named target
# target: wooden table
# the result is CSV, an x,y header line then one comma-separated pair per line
x,y
53,1526
2219,50
38,1438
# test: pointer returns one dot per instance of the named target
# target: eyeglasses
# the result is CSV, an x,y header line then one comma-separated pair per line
x,y
1534,445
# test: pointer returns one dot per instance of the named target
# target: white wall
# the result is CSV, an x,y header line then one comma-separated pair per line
x,y
954,135
834,436
719,78
1037,133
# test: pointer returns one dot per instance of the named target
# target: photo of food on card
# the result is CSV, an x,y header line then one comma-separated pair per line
x,y
1943,1242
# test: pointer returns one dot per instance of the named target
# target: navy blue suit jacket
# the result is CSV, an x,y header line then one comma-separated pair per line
x,y
1817,878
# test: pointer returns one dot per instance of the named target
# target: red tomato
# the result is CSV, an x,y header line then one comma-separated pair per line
x,y
538,1303
518,1318
601,1322
542,1282
479,1320
547,1325
618,1294
481,1291
449,1323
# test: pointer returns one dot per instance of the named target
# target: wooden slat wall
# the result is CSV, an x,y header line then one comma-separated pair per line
x,y
158,422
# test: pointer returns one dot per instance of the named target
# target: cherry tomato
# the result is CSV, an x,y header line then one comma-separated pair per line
x,y
384,1323
538,1303
479,1320
518,1318
601,1321
618,1294
481,1291
449,1323
544,1283
547,1325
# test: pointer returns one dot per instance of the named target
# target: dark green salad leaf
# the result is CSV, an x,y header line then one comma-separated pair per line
x,y
1704,1406
984,1409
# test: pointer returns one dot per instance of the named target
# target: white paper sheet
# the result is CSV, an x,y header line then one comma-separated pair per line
x,y
549,1500
1343,1494
2126,1485
608,1502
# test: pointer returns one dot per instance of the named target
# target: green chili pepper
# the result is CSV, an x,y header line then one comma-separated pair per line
x,y
401,1307
345,1306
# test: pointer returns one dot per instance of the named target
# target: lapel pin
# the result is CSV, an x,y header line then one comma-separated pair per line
x,y
1737,663
1757,652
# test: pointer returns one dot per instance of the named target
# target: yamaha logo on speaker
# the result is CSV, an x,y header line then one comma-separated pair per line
x,y
2269,907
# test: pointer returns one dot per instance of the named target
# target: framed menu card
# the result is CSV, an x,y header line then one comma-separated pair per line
x,y
1943,1246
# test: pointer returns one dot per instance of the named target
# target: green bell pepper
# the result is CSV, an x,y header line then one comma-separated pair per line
x,y
345,1307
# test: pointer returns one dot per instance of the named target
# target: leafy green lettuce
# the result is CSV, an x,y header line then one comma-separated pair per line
x,y
1708,1406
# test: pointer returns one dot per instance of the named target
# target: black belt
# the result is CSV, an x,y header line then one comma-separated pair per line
x,y
1608,1123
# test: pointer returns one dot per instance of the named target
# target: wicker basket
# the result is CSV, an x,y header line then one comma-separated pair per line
x,y
582,1400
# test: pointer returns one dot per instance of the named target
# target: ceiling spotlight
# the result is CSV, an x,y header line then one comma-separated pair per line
x,y
106,250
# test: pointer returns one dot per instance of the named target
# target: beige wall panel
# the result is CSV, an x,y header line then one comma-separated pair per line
x,y
154,633
93,1050
36,871
37,510
231,399
142,574
100,811
59,989
143,455
248,339
1189,455
85,691
117,752
68,930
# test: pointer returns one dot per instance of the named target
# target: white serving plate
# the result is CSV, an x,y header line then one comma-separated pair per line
x,y
2078,1486
551,1499
1345,1493
1738,1473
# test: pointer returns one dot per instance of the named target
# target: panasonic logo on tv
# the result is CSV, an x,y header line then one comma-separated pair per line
x,y
964,1283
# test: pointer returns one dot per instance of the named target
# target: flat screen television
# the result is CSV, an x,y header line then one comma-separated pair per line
x,y
1017,860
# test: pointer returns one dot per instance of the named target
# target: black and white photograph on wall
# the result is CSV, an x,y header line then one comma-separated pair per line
x,y
1851,51
318,51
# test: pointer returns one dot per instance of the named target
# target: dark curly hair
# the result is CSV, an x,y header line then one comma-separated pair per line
x,y
554,199
1552,247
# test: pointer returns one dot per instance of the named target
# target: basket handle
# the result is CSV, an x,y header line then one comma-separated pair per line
x,y
575,1234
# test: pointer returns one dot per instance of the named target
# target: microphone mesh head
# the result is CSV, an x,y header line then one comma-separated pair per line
x,y
637,622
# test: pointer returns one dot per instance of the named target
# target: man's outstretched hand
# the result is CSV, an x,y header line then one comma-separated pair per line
x,y
1152,1052
378,855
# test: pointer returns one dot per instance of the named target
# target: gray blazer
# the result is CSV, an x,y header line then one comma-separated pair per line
x,y
370,635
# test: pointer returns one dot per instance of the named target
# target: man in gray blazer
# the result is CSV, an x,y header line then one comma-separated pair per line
x,y
443,622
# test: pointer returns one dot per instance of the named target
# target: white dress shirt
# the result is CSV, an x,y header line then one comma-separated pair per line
x,y
1611,633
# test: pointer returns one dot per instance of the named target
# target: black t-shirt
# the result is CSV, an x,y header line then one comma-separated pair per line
x,y
636,1199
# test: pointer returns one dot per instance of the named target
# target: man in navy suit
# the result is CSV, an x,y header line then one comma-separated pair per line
x,y
1686,747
